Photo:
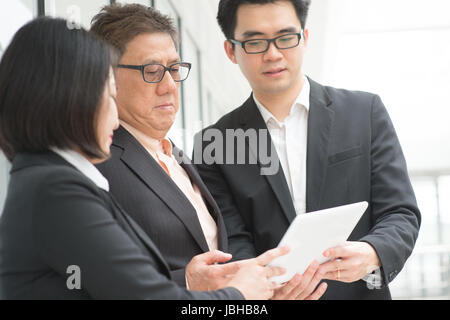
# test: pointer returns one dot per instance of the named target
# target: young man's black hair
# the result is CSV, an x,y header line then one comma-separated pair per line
x,y
227,14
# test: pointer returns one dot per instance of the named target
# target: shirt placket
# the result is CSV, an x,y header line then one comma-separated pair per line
x,y
295,160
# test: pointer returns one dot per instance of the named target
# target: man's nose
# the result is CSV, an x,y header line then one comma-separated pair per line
x,y
272,53
167,84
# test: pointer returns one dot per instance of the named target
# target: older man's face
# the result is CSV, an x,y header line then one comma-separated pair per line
x,y
148,107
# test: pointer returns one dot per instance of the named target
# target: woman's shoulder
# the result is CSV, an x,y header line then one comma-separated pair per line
x,y
45,173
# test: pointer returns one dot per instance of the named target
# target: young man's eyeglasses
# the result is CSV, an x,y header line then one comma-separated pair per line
x,y
154,72
254,46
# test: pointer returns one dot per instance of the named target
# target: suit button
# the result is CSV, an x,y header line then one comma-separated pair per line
x,y
392,275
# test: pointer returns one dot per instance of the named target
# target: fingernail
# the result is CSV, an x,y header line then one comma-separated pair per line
x,y
326,254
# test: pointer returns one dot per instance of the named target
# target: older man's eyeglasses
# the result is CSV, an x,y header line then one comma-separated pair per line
x,y
254,46
154,72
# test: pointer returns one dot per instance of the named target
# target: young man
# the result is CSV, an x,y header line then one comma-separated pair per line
x,y
334,147
153,180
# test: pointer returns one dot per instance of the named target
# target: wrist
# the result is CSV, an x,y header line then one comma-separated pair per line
x,y
374,260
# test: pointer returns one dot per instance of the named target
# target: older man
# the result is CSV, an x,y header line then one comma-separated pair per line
x,y
151,178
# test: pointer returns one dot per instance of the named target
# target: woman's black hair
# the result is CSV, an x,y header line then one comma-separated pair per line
x,y
52,80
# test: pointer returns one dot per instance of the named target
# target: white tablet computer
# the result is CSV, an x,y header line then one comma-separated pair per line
x,y
310,234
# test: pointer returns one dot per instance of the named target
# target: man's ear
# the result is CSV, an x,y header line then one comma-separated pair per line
x,y
229,50
305,37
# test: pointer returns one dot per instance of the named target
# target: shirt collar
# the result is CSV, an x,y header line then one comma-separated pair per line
x,y
302,100
84,166
164,145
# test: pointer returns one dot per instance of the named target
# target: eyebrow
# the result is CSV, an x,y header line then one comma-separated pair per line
x,y
172,61
251,33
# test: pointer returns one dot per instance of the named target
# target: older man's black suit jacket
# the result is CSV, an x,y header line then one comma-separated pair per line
x,y
353,155
156,203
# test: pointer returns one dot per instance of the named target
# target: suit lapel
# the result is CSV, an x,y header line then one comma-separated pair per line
x,y
187,165
320,120
251,119
150,172
213,209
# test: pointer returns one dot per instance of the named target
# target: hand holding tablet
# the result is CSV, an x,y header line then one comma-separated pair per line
x,y
311,234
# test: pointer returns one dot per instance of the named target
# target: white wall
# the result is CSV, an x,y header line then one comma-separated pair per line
x,y
399,50
215,85
318,26
79,12
220,76
13,14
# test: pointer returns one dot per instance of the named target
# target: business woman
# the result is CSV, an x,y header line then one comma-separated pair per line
x,y
62,235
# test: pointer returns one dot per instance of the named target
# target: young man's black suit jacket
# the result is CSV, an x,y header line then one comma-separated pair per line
x,y
353,155
156,203
55,217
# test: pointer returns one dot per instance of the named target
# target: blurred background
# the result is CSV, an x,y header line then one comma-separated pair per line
x,y
398,49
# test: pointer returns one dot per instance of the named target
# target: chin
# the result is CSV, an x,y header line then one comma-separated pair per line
x,y
275,89
273,85
166,124
107,151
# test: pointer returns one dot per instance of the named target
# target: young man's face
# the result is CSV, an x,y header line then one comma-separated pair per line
x,y
275,71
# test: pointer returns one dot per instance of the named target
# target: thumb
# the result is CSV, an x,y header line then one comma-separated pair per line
x,y
271,255
215,256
